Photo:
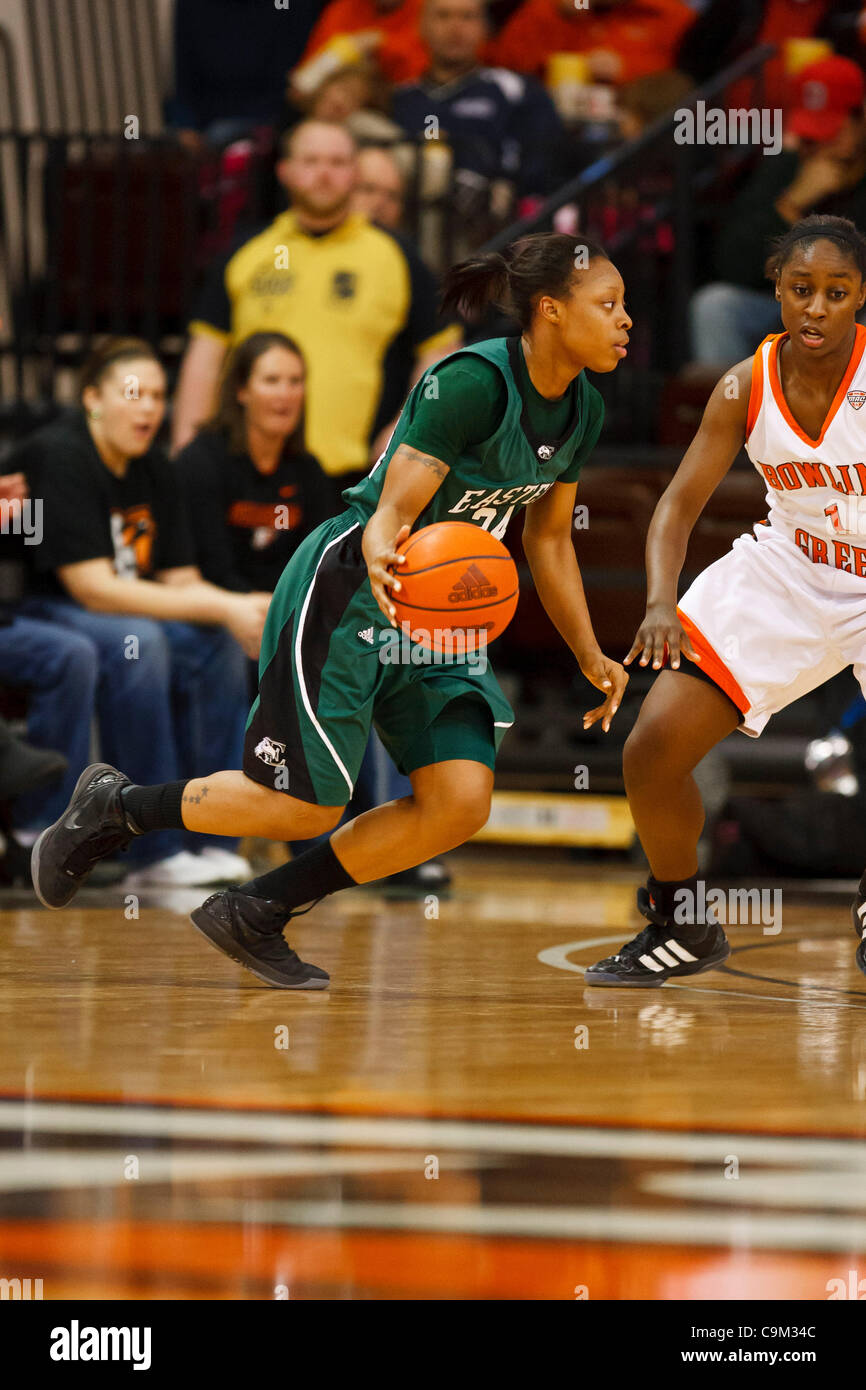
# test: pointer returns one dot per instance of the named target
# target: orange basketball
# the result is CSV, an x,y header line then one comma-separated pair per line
x,y
457,581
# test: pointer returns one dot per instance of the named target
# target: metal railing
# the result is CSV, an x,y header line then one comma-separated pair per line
x,y
96,236
93,63
662,249
104,234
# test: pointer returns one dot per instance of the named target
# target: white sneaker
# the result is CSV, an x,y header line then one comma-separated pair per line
x,y
226,867
181,870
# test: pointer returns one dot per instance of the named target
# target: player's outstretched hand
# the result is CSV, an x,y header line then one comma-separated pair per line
x,y
381,566
661,628
610,677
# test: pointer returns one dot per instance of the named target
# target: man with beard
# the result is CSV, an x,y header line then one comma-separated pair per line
x,y
358,301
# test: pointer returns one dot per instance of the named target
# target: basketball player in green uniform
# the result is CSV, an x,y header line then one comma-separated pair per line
x,y
497,426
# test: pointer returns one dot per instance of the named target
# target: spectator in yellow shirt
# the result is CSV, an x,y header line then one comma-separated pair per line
x,y
356,298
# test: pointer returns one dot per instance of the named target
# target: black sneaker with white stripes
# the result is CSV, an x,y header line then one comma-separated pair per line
x,y
858,917
662,951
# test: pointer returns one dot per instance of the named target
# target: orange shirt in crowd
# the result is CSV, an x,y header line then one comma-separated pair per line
x,y
401,55
787,19
783,19
644,33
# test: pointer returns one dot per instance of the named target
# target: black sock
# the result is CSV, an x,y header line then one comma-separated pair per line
x,y
153,808
663,897
311,876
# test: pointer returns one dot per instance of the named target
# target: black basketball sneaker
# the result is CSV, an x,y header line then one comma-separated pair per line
x,y
250,930
858,917
92,827
660,952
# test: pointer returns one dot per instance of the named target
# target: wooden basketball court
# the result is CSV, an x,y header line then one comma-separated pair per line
x,y
457,1117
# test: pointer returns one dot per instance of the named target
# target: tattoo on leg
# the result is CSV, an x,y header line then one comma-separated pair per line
x,y
187,798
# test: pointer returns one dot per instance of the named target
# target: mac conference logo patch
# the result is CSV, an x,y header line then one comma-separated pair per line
x,y
856,398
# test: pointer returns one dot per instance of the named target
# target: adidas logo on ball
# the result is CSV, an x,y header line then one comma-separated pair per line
x,y
472,585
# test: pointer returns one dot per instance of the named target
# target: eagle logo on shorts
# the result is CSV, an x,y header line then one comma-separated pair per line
x,y
271,752
856,398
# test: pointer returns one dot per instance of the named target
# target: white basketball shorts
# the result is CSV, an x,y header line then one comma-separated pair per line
x,y
770,625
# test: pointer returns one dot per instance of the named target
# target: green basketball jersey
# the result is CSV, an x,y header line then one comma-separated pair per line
x,y
511,469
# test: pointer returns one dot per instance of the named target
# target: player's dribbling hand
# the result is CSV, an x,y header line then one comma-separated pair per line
x,y
381,567
610,677
661,628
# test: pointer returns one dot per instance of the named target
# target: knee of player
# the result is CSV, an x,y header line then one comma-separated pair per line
x,y
646,745
468,811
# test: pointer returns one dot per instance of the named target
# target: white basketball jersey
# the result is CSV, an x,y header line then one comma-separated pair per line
x,y
816,488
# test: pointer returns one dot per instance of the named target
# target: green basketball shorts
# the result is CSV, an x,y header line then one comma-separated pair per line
x,y
330,667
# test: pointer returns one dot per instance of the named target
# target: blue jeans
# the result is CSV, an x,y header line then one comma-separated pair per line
x,y
61,670
171,700
728,322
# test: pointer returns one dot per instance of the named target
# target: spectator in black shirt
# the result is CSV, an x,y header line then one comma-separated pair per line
x,y
253,491
231,59
500,125
116,564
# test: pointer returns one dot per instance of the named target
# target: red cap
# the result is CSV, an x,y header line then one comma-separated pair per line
x,y
825,93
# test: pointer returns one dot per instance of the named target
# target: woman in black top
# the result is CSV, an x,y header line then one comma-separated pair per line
x,y
116,567
253,490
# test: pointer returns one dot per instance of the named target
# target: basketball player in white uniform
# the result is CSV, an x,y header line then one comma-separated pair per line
x,y
781,613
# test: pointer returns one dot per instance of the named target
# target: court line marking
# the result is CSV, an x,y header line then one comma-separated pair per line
x,y
35,1117
775,980
631,1225
56,1168
770,1188
557,957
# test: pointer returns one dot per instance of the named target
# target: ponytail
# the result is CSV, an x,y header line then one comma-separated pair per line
x,y
546,263
474,284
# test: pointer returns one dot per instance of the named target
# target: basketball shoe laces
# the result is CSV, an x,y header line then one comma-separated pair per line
x,y
642,944
272,945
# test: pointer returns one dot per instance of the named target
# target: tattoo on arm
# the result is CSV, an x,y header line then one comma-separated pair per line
x,y
188,798
415,456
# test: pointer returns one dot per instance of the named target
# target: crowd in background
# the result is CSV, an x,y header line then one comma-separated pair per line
x,y
143,603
